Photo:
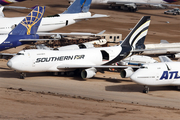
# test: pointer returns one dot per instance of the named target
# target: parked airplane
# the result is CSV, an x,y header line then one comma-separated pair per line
x,y
88,61
26,29
165,73
76,12
132,5
6,2
163,48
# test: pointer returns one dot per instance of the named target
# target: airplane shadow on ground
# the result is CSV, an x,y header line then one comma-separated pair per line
x,y
8,74
137,88
114,80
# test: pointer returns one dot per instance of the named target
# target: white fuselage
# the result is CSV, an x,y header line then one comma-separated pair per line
x,y
158,74
133,1
162,48
47,23
50,60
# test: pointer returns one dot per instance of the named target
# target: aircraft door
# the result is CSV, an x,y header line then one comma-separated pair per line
x,y
66,22
114,38
105,55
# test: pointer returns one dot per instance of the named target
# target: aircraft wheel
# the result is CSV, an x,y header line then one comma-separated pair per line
x,y
22,75
146,90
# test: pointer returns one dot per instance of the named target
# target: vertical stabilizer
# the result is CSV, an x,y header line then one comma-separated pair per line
x,y
135,39
29,25
78,6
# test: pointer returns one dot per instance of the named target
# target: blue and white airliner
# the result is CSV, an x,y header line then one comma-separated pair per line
x,y
76,12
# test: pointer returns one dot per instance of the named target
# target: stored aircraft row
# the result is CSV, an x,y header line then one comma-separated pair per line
x,y
132,5
87,61
76,12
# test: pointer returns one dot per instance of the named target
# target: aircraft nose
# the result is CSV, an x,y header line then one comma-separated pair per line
x,y
9,64
133,77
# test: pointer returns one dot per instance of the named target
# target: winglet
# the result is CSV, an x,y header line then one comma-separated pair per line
x,y
29,25
164,41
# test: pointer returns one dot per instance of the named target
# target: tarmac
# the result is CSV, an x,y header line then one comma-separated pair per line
x,y
106,96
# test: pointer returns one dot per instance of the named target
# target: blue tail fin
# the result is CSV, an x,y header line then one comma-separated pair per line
x,y
29,25
78,6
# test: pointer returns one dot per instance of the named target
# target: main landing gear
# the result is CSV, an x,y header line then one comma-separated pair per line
x,y
22,75
146,89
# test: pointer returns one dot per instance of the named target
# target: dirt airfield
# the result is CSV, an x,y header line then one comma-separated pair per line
x,y
106,96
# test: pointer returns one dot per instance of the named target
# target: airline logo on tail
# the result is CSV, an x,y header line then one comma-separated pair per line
x,y
34,17
140,33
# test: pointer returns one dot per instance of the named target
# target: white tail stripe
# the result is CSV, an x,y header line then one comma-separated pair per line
x,y
144,33
146,24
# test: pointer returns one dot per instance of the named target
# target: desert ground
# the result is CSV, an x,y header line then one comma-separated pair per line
x,y
106,96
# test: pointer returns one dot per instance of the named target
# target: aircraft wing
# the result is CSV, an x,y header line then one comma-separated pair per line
x,y
71,34
16,7
33,40
94,16
8,54
92,66
164,59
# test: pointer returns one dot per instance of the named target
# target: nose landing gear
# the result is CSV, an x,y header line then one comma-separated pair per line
x,y
146,89
22,75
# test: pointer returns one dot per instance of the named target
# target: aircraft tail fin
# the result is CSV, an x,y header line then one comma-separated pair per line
x,y
29,25
78,6
135,39
1,11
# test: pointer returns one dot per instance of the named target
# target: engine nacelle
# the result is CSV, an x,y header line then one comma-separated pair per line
x,y
122,63
127,72
176,55
86,45
88,73
76,47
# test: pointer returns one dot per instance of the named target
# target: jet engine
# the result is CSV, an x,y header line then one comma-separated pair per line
x,y
176,55
127,72
88,73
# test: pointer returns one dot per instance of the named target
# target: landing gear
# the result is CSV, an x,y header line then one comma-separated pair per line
x,y
146,89
130,9
22,75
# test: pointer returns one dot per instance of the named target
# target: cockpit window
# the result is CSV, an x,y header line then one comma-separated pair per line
x,y
20,54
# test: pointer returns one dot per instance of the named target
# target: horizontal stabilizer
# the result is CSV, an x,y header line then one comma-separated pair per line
x,y
32,40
